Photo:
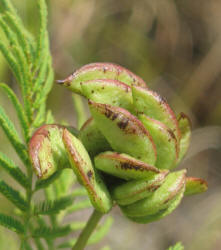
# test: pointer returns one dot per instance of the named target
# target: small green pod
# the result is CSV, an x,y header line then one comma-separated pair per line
x,y
96,71
153,105
172,205
135,190
92,138
47,151
165,141
108,91
185,129
195,186
173,183
124,132
124,166
89,177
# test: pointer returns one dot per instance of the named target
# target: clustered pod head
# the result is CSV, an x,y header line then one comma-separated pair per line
x,y
131,144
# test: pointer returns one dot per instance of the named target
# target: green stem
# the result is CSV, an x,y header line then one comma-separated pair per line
x,y
88,229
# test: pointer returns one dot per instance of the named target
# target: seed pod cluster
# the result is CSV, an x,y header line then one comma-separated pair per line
x,y
125,152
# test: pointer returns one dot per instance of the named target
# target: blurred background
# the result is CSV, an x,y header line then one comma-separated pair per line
x,y
175,46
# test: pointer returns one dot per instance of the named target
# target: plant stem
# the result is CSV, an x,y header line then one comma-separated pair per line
x,y
88,229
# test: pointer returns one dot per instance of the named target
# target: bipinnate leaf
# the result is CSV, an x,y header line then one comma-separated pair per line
x,y
18,107
52,206
43,36
11,223
13,196
124,132
14,171
49,232
44,183
13,136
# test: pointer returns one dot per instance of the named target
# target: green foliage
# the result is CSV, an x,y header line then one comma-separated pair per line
x,y
177,246
45,183
48,232
14,171
54,206
13,136
18,107
29,59
12,195
11,223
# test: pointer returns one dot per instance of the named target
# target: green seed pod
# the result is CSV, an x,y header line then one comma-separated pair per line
x,y
124,166
108,91
155,140
172,185
195,186
82,166
53,148
156,107
47,151
172,205
135,190
185,129
96,71
124,132
165,141
92,138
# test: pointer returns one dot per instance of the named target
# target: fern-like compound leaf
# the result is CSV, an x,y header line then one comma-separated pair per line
x,y
53,206
49,232
14,171
11,223
13,195
13,136
18,107
45,183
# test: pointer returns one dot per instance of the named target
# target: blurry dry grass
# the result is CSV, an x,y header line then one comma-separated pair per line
x,y
176,47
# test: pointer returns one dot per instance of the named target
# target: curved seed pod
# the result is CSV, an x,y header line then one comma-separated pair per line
x,y
162,213
82,166
185,129
108,91
92,138
124,132
165,141
195,186
156,107
124,166
47,151
172,185
96,71
136,190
